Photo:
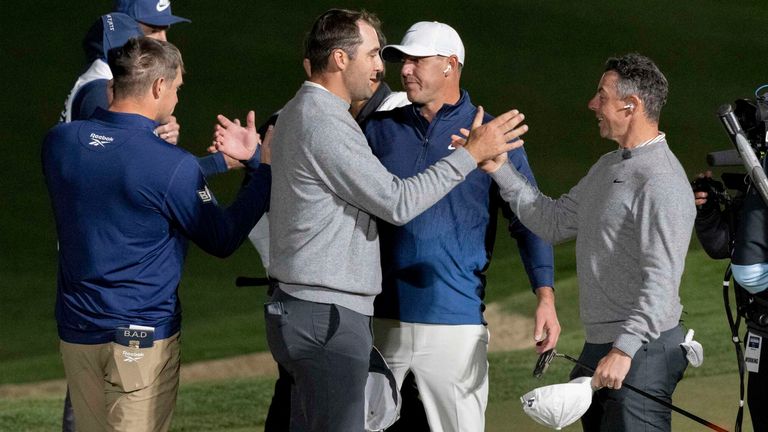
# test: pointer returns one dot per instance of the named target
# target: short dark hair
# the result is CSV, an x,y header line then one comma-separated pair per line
x,y
336,29
141,61
640,76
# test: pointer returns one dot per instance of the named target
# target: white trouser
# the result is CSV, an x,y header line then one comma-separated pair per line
x,y
449,364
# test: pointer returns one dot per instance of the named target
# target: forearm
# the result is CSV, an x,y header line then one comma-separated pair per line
x,y
212,164
219,231
553,220
713,234
356,175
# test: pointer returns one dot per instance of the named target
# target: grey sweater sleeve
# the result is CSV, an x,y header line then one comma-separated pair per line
x,y
553,220
345,163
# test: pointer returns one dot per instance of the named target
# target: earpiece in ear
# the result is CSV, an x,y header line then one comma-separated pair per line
x,y
630,106
447,69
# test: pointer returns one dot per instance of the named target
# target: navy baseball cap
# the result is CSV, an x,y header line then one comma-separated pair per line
x,y
109,31
151,12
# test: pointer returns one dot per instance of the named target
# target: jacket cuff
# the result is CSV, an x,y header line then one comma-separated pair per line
x,y
628,344
254,162
462,161
542,277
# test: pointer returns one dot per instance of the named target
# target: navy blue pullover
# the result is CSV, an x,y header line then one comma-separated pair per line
x,y
125,203
433,267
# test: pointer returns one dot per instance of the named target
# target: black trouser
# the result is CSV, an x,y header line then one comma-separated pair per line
x,y
412,415
757,388
656,368
325,349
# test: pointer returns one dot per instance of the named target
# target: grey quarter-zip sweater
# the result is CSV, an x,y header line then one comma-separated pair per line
x,y
328,190
632,217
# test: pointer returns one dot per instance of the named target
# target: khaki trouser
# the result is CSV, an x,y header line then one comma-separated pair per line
x,y
117,388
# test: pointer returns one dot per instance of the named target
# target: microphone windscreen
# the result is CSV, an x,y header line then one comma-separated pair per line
x,y
724,158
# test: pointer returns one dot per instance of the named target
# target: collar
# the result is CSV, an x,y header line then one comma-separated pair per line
x,y
461,107
644,147
125,120
660,137
313,85
316,85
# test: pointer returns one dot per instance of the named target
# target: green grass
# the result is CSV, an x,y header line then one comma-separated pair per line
x,y
710,391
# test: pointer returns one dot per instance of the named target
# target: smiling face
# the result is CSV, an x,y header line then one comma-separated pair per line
x,y
424,78
361,75
612,115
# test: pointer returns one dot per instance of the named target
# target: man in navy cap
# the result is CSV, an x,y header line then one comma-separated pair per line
x,y
154,16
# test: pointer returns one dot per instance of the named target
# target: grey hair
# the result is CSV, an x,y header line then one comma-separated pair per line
x,y
639,75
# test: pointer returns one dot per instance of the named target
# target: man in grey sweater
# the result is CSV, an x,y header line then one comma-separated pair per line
x,y
329,189
632,216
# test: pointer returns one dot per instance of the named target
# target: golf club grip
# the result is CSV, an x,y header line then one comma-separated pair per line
x,y
654,398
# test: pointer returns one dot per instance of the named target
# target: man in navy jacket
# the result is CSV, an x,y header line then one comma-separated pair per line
x,y
429,316
126,202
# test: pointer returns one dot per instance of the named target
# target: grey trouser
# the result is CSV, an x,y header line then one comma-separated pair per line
x,y
326,350
656,368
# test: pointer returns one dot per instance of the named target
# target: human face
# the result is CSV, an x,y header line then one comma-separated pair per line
x,y
361,75
424,78
612,116
169,98
154,32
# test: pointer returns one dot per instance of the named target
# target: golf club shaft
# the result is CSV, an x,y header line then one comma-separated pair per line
x,y
243,281
653,398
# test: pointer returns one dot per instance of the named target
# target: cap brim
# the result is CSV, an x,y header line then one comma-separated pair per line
x,y
162,20
394,53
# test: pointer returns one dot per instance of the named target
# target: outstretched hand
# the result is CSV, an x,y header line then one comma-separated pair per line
x,y
490,165
234,140
500,135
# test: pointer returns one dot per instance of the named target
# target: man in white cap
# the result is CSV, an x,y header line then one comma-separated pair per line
x,y
429,316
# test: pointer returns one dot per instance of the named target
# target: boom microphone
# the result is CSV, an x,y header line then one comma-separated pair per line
x,y
748,157
724,158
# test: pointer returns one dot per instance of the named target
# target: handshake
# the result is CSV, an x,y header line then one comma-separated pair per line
x,y
487,143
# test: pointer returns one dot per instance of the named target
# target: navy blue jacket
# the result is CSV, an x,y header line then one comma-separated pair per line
x,y
433,267
125,203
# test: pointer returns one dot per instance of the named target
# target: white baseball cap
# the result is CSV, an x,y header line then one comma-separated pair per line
x,y
559,405
426,39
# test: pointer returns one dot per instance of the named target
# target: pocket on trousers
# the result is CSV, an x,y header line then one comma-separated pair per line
x,y
132,368
276,319
274,313
325,322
